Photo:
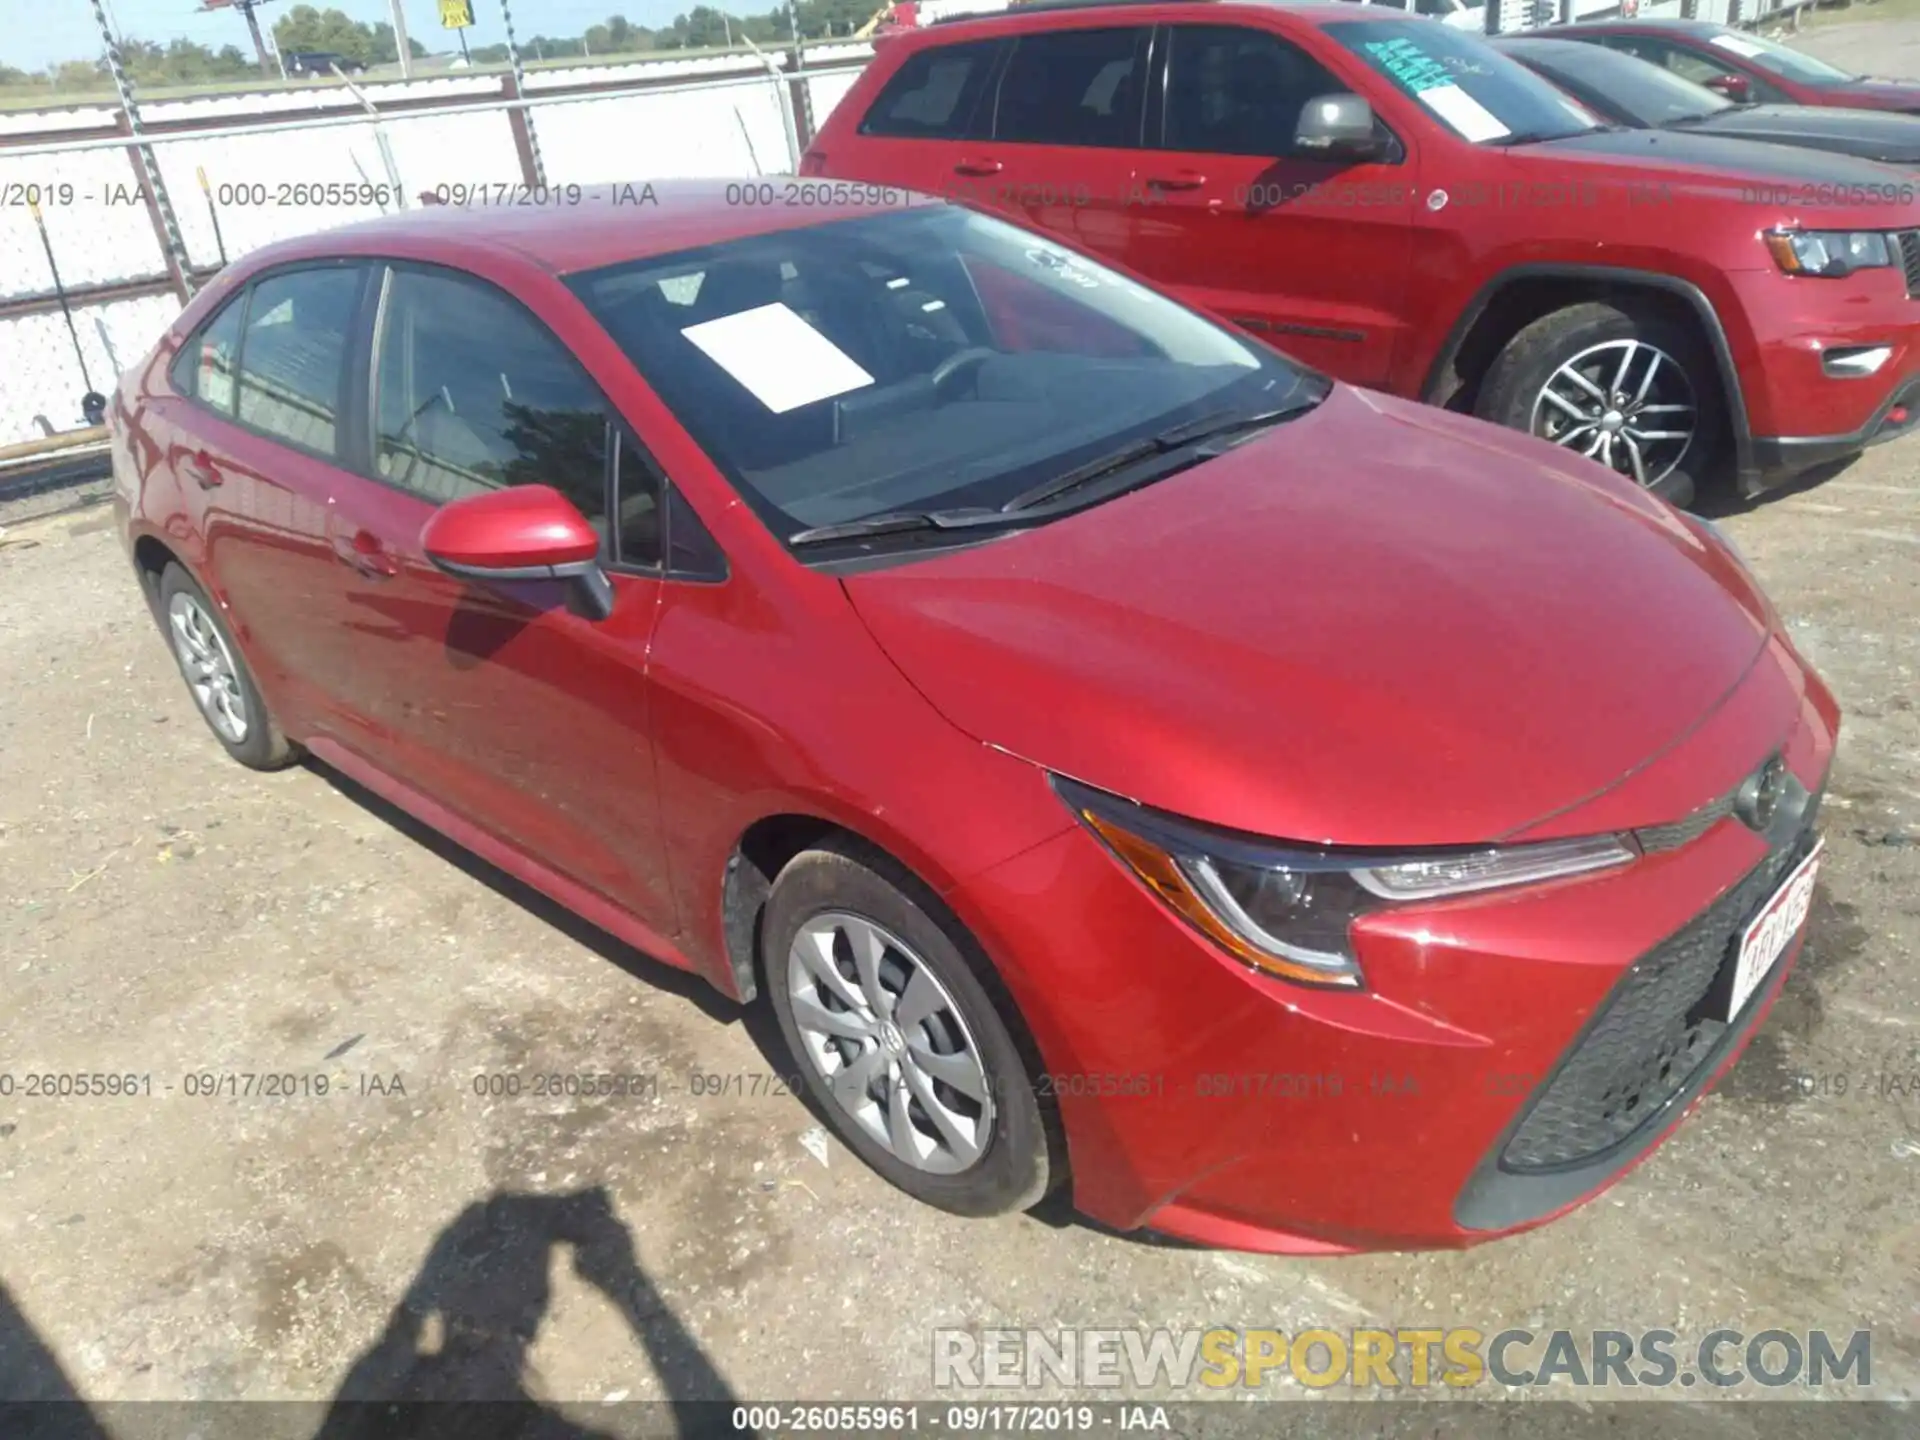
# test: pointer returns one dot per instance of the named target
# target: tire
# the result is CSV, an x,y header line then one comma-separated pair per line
x,y
217,676
1592,337
832,892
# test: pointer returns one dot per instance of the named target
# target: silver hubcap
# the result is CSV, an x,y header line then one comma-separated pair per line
x,y
209,668
889,1040
1624,403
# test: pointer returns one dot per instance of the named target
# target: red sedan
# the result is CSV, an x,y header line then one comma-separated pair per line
x,y
1741,65
1297,819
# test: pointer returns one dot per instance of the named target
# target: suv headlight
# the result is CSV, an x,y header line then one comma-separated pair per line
x,y
1289,910
1830,253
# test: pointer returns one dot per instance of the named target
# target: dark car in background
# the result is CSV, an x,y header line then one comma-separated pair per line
x,y
1744,67
1633,92
320,62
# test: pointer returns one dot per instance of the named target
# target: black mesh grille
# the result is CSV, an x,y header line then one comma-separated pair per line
x,y
1909,241
1689,828
1651,1034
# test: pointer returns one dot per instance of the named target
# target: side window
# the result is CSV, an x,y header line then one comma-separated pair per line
x,y
638,518
474,394
293,354
1235,91
1074,87
934,95
207,364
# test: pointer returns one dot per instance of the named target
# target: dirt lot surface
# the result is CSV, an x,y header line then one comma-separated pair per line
x,y
169,916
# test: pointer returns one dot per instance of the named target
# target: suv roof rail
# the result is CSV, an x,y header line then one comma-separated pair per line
x,y
1033,6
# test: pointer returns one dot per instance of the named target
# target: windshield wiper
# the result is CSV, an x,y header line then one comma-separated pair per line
x,y
890,521
1535,137
1207,427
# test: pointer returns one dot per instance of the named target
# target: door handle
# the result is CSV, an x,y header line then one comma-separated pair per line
x,y
199,467
978,167
1179,180
366,554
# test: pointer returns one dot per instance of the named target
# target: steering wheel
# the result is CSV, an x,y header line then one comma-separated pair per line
x,y
961,362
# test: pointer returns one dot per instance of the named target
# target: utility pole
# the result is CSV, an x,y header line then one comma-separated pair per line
x,y
401,43
259,42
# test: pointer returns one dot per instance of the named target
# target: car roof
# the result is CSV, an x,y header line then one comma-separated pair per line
x,y
1035,15
607,224
1698,29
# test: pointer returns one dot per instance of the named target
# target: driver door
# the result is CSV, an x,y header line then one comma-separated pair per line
x,y
493,699
1310,254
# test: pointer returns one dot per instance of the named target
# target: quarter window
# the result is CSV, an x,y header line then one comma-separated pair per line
x,y
293,355
208,364
474,394
1074,87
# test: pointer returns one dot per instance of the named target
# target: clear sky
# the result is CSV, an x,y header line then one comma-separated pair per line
x,y
39,32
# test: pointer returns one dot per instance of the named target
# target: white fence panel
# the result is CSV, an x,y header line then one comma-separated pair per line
x,y
40,375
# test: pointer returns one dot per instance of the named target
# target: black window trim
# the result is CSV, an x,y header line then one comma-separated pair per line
x,y
623,438
342,422
1143,52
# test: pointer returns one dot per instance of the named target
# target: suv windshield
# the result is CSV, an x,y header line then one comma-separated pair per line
x,y
1466,84
1646,94
1778,59
924,359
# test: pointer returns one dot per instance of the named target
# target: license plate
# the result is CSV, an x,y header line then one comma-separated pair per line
x,y
1770,932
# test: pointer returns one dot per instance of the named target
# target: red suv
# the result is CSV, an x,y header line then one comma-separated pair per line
x,y
1402,205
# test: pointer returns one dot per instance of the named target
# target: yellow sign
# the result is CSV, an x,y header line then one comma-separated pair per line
x,y
456,14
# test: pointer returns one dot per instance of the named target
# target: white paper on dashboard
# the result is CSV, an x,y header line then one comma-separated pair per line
x,y
1464,113
782,361
1737,45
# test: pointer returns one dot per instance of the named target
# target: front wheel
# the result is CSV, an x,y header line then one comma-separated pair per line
x,y
899,1042
1632,390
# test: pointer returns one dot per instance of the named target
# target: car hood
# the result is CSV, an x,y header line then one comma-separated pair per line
x,y
1377,624
1869,134
1699,152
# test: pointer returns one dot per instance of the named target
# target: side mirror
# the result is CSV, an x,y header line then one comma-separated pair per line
x,y
1735,87
528,532
1336,125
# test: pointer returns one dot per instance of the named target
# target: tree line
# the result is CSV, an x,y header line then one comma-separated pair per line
x,y
304,27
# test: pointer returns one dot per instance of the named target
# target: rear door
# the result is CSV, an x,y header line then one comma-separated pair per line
x,y
1312,254
1068,115
493,699
255,443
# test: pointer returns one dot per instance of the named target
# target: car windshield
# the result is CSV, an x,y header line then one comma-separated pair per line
x,y
1646,94
1466,84
923,359
1778,59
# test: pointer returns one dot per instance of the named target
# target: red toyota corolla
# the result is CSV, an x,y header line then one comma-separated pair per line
x,y
1299,819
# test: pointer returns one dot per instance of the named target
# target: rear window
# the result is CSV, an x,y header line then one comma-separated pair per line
x,y
935,94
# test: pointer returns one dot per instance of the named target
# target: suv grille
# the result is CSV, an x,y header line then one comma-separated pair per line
x,y
1909,242
1649,1037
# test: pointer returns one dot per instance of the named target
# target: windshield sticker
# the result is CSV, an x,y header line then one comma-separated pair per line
x,y
781,360
1737,45
1464,113
1408,65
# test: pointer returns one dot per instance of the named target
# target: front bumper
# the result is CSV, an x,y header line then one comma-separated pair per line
x,y
1799,414
1214,1104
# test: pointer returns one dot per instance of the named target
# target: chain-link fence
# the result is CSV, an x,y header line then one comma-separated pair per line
x,y
93,267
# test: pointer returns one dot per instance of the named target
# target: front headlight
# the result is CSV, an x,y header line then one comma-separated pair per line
x,y
1829,253
1289,910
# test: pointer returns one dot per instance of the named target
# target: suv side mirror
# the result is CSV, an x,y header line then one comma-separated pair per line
x,y
1735,87
527,532
1337,126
